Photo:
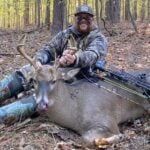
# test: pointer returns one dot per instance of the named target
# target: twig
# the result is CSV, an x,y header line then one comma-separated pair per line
x,y
8,55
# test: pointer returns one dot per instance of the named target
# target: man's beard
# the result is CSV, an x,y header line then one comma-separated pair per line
x,y
83,27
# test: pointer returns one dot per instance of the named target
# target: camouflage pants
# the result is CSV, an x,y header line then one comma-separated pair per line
x,y
17,82
27,71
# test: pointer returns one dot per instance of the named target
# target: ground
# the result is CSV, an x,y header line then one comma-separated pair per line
x,y
127,50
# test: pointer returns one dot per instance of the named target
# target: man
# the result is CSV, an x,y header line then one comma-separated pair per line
x,y
90,46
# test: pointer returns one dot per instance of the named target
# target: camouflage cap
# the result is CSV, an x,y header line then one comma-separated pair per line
x,y
84,9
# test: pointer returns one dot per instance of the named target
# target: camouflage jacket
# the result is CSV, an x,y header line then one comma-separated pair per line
x,y
90,47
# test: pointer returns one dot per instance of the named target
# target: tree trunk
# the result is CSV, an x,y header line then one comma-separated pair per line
x,y
133,22
35,12
68,12
79,2
143,10
26,12
38,13
8,13
65,14
58,12
116,9
127,8
113,10
148,10
47,18
108,10
123,9
135,10
17,23
97,13
101,10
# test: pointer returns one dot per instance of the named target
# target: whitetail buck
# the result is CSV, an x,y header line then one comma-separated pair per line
x,y
93,112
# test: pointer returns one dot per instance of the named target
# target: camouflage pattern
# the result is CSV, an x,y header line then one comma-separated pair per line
x,y
84,9
17,110
90,47
10,86
16,83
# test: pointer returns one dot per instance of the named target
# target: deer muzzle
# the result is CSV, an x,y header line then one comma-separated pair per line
x,y
42,99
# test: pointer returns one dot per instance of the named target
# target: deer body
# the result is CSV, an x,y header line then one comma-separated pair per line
x,y
92,111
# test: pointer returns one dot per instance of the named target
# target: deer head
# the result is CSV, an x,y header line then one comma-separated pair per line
x,y
45,77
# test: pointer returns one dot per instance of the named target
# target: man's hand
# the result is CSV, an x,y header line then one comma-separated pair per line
x,y
68,58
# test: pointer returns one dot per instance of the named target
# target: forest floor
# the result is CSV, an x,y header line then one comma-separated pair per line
x,y
127,50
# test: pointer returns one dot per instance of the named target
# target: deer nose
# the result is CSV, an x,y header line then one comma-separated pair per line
x,y
42,106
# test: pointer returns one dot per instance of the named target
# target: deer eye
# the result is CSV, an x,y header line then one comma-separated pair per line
x,y
35,84
53,81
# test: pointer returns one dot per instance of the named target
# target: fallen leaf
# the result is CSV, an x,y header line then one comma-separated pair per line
x,y
2,139
1,61
9,120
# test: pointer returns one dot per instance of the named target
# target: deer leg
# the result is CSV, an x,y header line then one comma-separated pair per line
x,y
100,135
105,142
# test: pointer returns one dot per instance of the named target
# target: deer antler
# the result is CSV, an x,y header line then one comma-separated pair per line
x,y
56,62
71,44
21,50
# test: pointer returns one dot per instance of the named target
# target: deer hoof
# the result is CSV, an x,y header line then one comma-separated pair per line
x,y
106,142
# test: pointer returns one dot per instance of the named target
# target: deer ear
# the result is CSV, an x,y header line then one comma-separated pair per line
x,y
67,75
73,72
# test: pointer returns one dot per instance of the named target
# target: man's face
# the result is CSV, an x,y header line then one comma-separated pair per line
x,y
83,22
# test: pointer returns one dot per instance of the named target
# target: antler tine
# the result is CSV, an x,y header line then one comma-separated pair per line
x,y
71,44
21,50
56,64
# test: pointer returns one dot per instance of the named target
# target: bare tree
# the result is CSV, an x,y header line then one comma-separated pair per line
x,y
132,21
38,13
47,18
102,6
65,14
143,10
97,13
35,13
127,8
148,10
26,12
17,16
8,13
135,10
79,2
128,15
113,10
58,14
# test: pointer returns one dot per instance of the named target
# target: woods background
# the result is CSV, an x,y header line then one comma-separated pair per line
x,y
57,14
127,50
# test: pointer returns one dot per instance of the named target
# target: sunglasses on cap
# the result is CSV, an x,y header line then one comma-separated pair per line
x,y
81,17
